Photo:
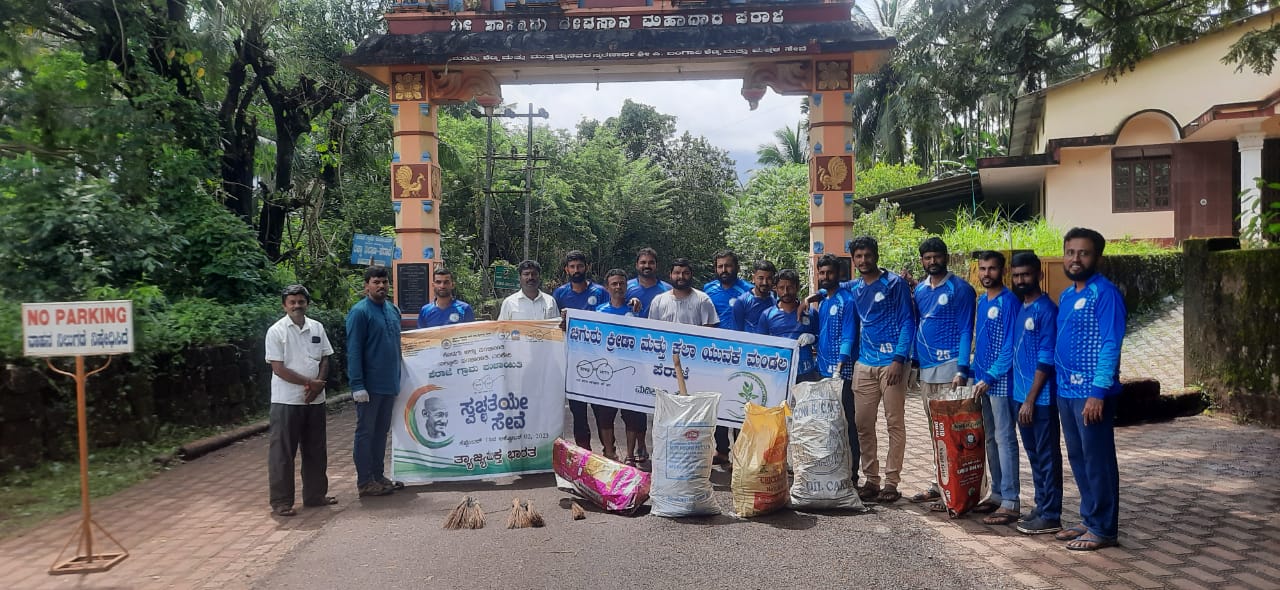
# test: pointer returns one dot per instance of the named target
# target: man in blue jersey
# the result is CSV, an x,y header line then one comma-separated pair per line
x,y
883,304
727,287
747,307
1091,324
943,338
445,310
1035,393
992,365
642,289
373,370
786,319
722,291
837,332
578,292
615,282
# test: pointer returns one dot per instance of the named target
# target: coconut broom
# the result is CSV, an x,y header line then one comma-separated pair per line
x,y
519,517
534,517
576,510
468,514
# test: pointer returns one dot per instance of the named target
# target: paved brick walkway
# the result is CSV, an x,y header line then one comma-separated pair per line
x,y
1153,347
1199,506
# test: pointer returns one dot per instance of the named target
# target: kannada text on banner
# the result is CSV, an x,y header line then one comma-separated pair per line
x,y
623,362
478,400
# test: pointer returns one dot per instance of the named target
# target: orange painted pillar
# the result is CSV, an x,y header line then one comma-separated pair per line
x,y
831,161
415,191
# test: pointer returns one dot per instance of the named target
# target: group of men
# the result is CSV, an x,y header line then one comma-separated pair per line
x,y
1038,371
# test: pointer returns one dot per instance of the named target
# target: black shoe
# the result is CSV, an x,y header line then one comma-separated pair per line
x,y
1039,526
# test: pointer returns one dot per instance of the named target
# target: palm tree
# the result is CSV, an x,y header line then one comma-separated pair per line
x,y
792,147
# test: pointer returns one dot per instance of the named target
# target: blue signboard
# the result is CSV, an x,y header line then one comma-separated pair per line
x,y
371,250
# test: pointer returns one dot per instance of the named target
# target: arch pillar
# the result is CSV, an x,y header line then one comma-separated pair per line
x,y
416,95
831,161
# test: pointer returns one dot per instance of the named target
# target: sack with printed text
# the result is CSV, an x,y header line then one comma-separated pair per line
x,y
759,481
606,483
819,445
683,448
960,448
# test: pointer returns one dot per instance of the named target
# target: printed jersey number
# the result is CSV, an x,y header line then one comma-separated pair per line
x,y
944,355
886,348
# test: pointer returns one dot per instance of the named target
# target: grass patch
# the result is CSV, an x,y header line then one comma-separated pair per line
x,y
972,233
33,495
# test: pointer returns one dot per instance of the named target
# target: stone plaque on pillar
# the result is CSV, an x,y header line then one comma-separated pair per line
x,y
413,286
832,173
415,181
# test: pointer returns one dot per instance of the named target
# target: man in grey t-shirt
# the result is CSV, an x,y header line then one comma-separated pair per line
x,y
683,304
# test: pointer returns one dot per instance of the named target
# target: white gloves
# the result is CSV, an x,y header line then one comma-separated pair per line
x,y
361,396
806,339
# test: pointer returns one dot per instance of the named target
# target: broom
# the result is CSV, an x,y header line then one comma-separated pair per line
x,y
519,516
577,511
535,519
468,514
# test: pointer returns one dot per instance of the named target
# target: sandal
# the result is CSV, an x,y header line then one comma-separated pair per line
x,y
1090,542
631,461
869,492
328,501
937,507
1070,534
926,496
986,507
642,455
888,495
1001,518
284,511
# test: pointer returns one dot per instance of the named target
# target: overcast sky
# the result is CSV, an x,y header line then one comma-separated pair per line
x,y
714,109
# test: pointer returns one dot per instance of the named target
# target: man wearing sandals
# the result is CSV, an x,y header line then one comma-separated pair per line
x,y
298,350
1091,325
992,363
943,338
883,304
1035,393
373,368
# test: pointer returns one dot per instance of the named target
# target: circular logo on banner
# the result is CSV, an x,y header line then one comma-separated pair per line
x,y
1030,324
454,317
993,313
428,426
943,299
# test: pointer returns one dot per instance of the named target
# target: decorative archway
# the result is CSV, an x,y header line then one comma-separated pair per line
x,y
445,52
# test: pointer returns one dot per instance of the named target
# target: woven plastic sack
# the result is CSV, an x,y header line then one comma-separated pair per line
x,y
959,447
819,445
759,482
607,483
683,448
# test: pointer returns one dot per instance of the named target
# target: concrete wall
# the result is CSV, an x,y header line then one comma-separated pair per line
x,y
1230,327
1078,193
1183,80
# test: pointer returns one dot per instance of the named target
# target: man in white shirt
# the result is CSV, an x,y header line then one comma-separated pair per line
x,y
683,304
298,350
530,303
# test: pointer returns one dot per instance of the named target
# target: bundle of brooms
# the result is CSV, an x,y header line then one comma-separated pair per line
x,y
523,515
468,514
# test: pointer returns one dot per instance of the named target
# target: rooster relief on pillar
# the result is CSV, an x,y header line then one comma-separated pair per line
x,y
414,181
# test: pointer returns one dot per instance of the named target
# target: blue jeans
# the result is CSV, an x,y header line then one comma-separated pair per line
x,y
1040,440
1091,448
373,421
1000,416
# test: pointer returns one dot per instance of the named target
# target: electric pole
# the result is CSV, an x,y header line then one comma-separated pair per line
x,y
530,159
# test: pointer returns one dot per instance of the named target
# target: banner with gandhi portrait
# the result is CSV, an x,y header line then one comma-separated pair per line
x,y
478,400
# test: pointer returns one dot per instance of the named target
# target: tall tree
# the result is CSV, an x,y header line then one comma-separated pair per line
x,y
791,147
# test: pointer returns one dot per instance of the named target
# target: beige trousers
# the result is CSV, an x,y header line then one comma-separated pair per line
x,y
870,387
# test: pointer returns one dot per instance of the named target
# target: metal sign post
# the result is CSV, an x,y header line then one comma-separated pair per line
x,y
80,329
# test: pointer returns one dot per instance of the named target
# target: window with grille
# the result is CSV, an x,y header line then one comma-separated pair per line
x,y
1141,180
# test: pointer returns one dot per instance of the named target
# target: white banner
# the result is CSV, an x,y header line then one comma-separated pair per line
x,y
77,328
623,362
478,400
